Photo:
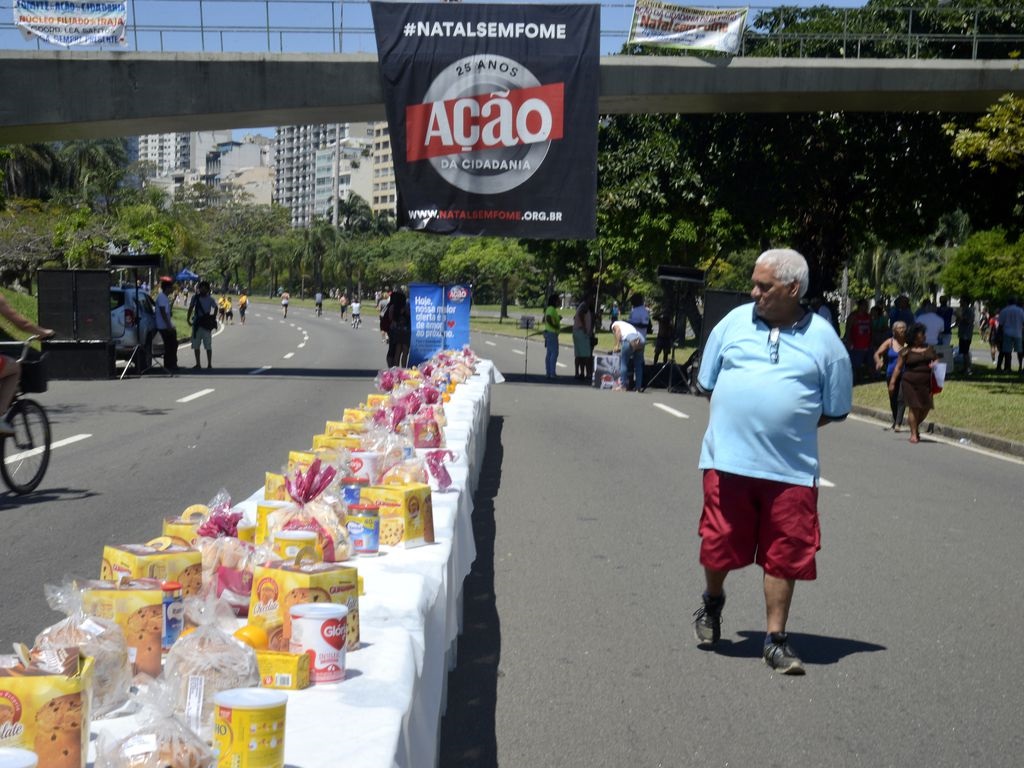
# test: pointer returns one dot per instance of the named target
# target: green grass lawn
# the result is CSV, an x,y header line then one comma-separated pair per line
x,y
988,402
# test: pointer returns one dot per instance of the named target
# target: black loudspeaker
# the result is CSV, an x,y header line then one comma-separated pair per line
x,y
75,303
92,305
79,359
56,301
717,304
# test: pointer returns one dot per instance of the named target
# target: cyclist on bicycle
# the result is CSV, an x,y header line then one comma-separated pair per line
x,y
10,369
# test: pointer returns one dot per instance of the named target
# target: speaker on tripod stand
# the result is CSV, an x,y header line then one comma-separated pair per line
x,y
680,287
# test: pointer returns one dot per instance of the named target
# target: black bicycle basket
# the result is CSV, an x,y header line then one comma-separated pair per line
x,y
33,375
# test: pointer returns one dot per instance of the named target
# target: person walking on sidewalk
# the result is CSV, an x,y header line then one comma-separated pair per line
x,y
775,373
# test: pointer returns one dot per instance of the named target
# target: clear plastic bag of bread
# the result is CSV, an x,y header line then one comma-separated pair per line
x,y
314,507
100,638
205,662
228,565
162,740
412,470
393,447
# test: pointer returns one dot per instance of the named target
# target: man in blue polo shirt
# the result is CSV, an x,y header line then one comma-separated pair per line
x,y
776,373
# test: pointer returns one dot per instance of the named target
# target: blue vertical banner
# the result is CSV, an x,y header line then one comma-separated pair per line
x,y
440,319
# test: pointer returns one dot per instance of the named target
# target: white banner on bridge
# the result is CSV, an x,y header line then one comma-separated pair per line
x,y
72,22
676,26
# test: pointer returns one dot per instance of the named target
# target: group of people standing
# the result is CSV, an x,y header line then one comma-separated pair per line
x,y
630,340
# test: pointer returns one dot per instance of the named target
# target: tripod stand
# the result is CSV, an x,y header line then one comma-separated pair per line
x,y
673,369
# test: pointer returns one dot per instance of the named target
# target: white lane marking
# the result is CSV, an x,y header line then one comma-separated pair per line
x,y
949,441
673,411
518,352
301,346
822,482
261,369
34,451
289,356
490,343
194,396
561,365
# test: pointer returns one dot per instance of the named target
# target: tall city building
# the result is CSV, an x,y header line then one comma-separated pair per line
x,y
306,157
178,160
385,195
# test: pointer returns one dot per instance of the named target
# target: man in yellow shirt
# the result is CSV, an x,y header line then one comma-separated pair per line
x,y
552,325
243,304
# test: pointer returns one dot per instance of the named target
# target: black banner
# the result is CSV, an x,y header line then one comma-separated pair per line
x,y
492,111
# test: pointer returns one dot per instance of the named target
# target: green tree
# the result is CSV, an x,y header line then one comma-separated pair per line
x,y
987,265
28,170
93,169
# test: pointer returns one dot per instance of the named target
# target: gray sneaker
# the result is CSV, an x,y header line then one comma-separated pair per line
x,y
779,655
707,620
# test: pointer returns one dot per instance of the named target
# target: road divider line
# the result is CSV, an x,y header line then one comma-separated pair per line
x,y
260,370
518,352
561,365
35,451
672,411
194,396
823,483
301,346
289,356
490,343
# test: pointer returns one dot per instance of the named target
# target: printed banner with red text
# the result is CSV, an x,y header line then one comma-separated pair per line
x,y
492,112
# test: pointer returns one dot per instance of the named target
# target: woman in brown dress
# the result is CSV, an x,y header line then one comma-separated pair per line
x,y
915,365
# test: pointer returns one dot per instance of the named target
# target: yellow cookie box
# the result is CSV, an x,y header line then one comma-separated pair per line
x,y
300,460
376,399
137,607
273,487
278,585
47,714
278,669
344,428
158,559
263,512
337,442
406,513
356,415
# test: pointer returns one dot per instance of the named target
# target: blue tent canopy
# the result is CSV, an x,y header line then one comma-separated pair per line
x,y
186,274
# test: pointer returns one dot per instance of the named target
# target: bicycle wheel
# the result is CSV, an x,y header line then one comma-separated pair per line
x,y
26,455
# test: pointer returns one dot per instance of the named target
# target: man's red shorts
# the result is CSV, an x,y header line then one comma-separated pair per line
x,y
747,520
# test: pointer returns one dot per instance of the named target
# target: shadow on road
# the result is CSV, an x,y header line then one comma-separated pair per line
x,y
10,500
813,649
468,729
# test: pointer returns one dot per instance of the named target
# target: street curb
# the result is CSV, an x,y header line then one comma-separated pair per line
x,y
1010,447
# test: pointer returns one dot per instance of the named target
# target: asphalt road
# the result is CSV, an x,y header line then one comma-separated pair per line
x,y
577,648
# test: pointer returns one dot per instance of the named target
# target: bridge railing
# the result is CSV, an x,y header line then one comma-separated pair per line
x,y
345,26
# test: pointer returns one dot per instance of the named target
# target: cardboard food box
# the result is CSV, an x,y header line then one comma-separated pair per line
x,y
47,713
300,460
406,513
337,442
263,511
288,671
356,415
182,530
376,399
344,428
158,559
278,585
273,487
136,605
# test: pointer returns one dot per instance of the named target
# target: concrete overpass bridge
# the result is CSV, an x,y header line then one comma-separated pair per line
x,y
53,95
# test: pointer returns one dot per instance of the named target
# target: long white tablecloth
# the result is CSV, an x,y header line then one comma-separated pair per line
x,y
387,711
